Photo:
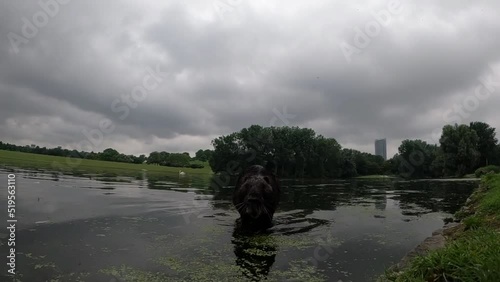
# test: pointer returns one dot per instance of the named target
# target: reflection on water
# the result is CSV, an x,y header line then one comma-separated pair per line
x,y
171,228
255,259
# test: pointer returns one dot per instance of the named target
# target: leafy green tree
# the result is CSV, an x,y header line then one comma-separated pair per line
x,y
92,156
208,154
301,140
364,163
438,164
109,154
141,159
388,167
459,145
325,159
487,142
201,156
496,155
226,152
348,164
177,160
54,151
164,158
122,158
154,158
417,157
283,151
255,145
297,152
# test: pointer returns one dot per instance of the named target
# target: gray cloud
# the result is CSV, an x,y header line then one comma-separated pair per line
x,y
230,68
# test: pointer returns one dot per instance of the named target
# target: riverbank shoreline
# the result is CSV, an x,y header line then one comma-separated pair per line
x,y
72,166
465,251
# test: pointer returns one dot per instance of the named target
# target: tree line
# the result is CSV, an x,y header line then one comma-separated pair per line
x,y
295,152
462,150
300,152
112,155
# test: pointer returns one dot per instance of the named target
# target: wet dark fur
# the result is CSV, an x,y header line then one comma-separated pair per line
x,y
256,197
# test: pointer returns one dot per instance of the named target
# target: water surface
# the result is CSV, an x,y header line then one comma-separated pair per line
x,y
183,229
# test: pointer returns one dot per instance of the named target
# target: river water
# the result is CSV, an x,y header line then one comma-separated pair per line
x,y
175,228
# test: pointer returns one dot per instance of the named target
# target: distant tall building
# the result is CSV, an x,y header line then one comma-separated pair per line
x,y
381,148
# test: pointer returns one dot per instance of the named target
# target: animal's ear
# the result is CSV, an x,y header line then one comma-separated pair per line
x,y
271,166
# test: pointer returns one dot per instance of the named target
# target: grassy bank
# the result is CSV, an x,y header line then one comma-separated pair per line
x,y
82,166
473,252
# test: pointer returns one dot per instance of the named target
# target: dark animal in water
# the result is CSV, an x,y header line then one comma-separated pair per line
x,y
256,197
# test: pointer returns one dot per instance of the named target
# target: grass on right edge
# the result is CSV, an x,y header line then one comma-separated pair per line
x,y
473,254
489,204
473,257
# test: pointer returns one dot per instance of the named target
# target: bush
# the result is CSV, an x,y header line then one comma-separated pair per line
x,y
487,169
196,166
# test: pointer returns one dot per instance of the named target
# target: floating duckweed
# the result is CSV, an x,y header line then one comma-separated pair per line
x,y
286,242
214,230
126,273
299,271
77,277
45,265
257,241
260,252
211,262
172,263
207,270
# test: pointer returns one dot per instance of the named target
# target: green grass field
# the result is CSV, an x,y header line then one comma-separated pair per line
x,y
81,166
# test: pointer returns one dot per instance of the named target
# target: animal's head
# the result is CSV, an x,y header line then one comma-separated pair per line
x,y
256,194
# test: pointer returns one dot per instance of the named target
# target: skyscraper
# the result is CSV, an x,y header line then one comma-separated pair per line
x,y
381,148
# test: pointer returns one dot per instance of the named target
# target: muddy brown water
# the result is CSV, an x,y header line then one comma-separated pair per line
x,y
183,229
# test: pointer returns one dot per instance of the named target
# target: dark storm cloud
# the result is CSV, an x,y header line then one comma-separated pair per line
x,y
240,65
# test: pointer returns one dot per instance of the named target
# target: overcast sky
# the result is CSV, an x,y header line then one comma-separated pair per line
x,y
141,76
